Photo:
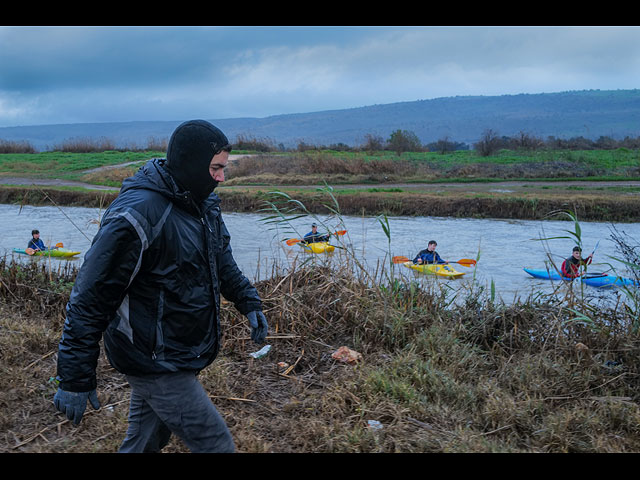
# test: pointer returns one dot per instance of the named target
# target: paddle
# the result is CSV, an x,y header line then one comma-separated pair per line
x,y
293,241
465,262
588,275
31,251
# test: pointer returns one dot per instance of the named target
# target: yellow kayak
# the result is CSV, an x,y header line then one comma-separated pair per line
x,y
435,269
58,252
317,247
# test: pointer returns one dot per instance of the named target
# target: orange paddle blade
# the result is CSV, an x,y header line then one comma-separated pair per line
x,y
59,245
467,262
30,251
293,241
340,232
400,259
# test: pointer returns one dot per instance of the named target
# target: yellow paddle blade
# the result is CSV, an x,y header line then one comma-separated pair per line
x,y
400,259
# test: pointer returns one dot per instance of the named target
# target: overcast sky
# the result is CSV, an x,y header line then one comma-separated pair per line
x,y
101,74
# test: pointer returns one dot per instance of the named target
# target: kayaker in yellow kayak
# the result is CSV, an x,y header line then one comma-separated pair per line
x,y
36,243
313,236
429,255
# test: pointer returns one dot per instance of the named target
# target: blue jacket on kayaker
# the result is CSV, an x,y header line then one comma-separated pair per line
x,y
36,243
429,255
313,236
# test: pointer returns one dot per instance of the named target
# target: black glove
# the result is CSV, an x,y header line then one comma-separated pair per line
x,y
73,404
259,327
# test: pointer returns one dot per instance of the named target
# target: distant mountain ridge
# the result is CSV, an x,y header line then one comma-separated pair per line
x,y
587,113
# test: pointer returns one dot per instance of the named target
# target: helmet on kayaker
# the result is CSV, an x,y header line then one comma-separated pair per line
x,y
191,148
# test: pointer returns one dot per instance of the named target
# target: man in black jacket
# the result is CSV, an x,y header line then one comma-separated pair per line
x,y
151,284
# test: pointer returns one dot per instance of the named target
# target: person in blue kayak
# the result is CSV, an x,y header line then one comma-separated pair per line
x,y
571,266
313,236
429,255
36,243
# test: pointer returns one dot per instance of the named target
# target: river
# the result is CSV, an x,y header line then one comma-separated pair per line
x,y
503,247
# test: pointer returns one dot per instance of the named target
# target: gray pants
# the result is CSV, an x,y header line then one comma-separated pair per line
x,y
173,403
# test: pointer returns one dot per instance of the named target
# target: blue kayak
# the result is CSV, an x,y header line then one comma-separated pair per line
x,y
593,280
546,274
609,281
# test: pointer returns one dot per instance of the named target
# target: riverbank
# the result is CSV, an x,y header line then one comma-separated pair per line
x,y
599,185
430,377
528,202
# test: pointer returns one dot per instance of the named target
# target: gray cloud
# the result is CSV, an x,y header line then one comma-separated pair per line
x,y
92,74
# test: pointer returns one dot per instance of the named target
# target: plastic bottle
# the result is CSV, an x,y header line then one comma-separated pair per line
x,y
262,352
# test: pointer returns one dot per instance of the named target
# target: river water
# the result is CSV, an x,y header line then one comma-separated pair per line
x,y
503,247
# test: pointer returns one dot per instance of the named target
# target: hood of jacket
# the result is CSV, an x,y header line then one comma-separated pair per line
x,y
155,176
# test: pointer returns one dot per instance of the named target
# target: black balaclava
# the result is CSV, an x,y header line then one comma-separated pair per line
x,y
191,147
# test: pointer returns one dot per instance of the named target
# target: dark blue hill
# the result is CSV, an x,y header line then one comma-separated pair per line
x,y
587,113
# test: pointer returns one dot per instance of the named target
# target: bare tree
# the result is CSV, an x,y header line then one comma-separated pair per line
x,y
488,144
444,145
373,143
528,142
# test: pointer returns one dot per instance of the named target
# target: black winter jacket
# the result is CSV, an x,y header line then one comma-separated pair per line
x,y
151,281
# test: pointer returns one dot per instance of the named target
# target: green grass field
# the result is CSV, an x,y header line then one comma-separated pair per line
x,y
65,165
609,159
356,167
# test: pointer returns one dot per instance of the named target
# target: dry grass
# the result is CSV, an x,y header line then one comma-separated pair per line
x,y
477,377
110,176
307,169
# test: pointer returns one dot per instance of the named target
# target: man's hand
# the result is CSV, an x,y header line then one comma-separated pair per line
x,y
259,327
73,404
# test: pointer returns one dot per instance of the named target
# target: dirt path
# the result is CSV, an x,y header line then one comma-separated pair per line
x,y
566,189
52,182
480,187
